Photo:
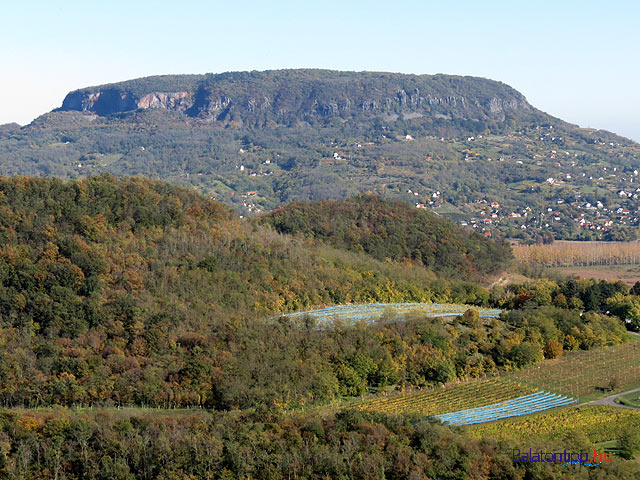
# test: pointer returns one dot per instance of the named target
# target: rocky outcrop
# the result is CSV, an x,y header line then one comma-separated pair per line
x,y
114,100
171,101
101,102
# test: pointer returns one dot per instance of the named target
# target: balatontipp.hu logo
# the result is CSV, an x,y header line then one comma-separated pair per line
x,y
565,458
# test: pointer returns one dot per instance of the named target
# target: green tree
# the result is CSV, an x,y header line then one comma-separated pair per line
x,y
526,353
471,318
629,443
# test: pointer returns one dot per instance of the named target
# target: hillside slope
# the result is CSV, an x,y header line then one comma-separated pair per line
x,y
134,291
82,245
471,149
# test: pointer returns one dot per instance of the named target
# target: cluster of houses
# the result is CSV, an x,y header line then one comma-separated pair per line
x,y
604,219
248,204
565,172
254,173
585,215
434,199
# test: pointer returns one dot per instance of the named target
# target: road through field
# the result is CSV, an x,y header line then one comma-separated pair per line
x,y
610,400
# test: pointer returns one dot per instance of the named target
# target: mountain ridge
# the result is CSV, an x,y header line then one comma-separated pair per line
x,y
260,96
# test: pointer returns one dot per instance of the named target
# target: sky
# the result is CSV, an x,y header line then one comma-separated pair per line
x,y
577,60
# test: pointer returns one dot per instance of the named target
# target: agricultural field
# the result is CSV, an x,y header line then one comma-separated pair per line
x,y
629,274
351,314
582,254
585,374
597,423
575,378
525,405
453,398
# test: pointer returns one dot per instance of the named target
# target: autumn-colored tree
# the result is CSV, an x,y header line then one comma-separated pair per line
x,y
553,348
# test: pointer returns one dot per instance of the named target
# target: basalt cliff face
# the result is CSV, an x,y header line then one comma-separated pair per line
x,y
286,96
114,100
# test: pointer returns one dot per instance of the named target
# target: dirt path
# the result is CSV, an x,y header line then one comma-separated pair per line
x,y
610,400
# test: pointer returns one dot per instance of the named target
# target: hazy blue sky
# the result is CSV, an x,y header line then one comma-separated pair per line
x,y
577,60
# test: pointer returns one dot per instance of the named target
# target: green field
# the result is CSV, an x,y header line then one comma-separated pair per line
x,y
629,274
630,399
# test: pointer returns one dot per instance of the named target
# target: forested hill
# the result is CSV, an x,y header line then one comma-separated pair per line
x,y
285,97
80,253
393,230
137,291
